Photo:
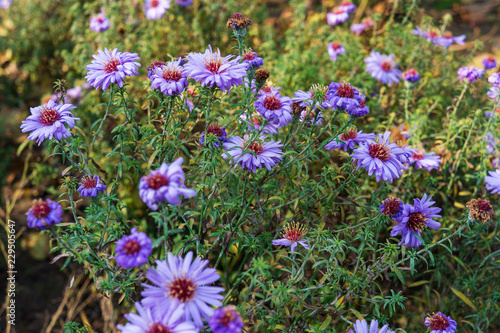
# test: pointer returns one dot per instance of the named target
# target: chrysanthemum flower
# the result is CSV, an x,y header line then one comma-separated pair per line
x,y
256,122
428,161
99,22
335,49
218,134
226,320
383,68
133,250
111,67
470,74
48,121
493,181
392,207
344,96
480,210
5,3
91,186
44,214
210,68
447,39
293,234
361,326
164,184
183,281
155,9
414,219
252,60
360,27
157,320
264,153
489,62
336,16
411,75
348,6
275,108
494,79
441,323
170,79
380,157
349,140
184,3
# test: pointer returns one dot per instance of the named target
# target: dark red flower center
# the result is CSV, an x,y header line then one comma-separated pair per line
x,y
89,182
100,19
490,59
227,318
159,328
238,16
272,103
111,66
349,135
362,104
391,206
483,205
336,45
418,155
411,71
432,34
131,247
155,3
338,10
213,63
447,35
294,232
156,64
416,222
155,181
215,130
256,147
380,151
386,66
439,322
345,90
183,289
171,74
249,55
48,116
40,209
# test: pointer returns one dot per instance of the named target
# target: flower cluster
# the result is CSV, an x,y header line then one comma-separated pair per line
x,y
444,40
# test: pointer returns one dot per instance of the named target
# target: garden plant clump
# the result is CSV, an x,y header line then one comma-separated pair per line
x,y
334,172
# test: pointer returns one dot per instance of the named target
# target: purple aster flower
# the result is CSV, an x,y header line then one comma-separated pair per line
x,y
495,113
420,33
306,99
56,97
392,207
155,9
490,142
44,214
493,181
257,120
494,79
361,326
335,49
264,153
217,133
99,23
441,323
275,108
170,79
164,184
184,3
157,320
252,60
489,62
447,39
428,161
111,67
348,6
350,139
91,186
133,250
210,68
75,93
496,162
5,3
336,16
154,65
494,94
414,219
407,152
266,89
47,121
383,68
226,320
293,234
411,75
346,97
380,157
470,74
186,282
360,27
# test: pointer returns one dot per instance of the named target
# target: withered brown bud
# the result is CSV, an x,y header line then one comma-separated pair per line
x,y
480,210
261,75
238,21
297,108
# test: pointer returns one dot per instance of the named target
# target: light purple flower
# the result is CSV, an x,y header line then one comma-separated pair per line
x,y
470,74
348,6
335,49
383,68
157,320
489,62
155,9
491,142
361,326
411,75
111,67
336,16
184,3
177,280
495,113
164,184
493,181
414,219
343,96
99,23
380,157
494,94
428,161
170,79
264,153
154,65
441,323
75,93
349,140
226,320
252,60
210,68
5,3
218,134
293,234
494,79
421,33
306,98
256,122
91,186
447,39
44,214
360,27
133,250
275,108
266,89
48,121
392,207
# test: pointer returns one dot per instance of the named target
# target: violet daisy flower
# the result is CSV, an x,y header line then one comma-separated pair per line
x,y
184,3
380,157
5,3
494,94
252,60
99,23
217,134
360,27
91,186
361,326
489,62
491,142
111,67
383,68
350,138
154,65
306,99
275,108
170,79
336,16
184,281
495,113
407,154
133,250
48,121
414,219
428,161
493,181
447,39
494,79
348,6
155,9
157,320
264,153
441,323
44,214
164,184
411,75
293,234
226,320
210,68
344,96
257,121
335,49
392,207
470,74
